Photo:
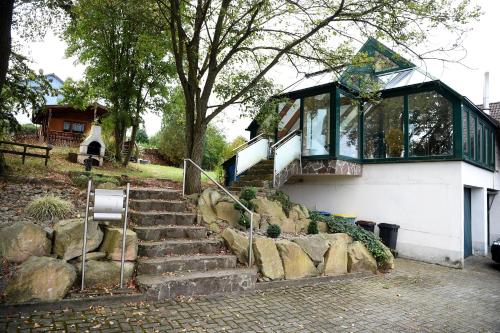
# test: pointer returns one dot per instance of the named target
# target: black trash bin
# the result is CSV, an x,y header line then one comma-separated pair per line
x,y
367,225
388,234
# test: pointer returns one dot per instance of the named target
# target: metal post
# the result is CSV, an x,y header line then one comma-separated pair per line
x,y
250,242
184,179
85,226
124,238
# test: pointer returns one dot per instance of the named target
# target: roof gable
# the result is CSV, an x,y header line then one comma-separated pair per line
x,y
382,60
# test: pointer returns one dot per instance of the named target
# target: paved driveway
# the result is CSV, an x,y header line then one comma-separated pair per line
x,y
417,297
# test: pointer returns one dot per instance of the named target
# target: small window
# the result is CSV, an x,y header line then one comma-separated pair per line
x,y
472,136
465,136
479,143
78,127
67,126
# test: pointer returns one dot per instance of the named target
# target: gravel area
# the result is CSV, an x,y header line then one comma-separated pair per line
x,y
16,194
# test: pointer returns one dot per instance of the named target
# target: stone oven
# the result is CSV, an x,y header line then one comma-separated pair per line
x,y
93,147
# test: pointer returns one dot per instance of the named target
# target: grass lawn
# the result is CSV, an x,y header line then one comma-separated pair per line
x,y
59,164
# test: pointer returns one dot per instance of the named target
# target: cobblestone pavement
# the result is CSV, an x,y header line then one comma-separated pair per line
x,y
417,297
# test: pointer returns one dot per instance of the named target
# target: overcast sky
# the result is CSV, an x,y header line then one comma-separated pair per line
x,y
481,44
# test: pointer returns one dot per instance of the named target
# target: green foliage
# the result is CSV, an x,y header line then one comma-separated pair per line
x,y
244,221
172,139
49,208
28,129
229,149
283,199
273,231
312,228
340,225
141,136
126,55
81,179
22,92
248,193
246,203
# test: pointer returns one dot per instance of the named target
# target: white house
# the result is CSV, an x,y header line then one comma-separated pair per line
x,y
423,157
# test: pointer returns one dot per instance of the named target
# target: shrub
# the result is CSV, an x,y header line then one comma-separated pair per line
x,y
80,181
246,203
244,221
283,199
248,193
49,208
339,224
312,228
273,231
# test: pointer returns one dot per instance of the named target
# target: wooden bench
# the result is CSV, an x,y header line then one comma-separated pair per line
x,y
24,152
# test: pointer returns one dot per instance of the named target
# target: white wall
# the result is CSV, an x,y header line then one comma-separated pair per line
x,y
424,198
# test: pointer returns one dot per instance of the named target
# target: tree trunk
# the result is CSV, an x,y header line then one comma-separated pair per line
x,y
118,142
194,152
131,145
6,10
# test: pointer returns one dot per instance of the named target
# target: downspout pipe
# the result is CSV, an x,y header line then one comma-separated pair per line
x,y
486,93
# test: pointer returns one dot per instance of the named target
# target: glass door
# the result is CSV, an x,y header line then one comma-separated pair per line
x,y
316,125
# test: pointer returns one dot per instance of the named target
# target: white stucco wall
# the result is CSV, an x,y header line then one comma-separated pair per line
x,y
425,199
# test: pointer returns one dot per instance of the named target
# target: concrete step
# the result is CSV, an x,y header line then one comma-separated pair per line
x,y
268,177
260,170
180,247
151,218
251,183
199,263
158,287
144,205
160,232
154,194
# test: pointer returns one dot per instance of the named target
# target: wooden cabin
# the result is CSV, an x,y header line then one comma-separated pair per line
x,y
63,124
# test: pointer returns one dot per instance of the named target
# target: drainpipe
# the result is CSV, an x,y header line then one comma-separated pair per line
x,y
486,93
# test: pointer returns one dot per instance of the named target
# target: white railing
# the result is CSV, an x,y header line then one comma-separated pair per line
x,y
250,237
252,154
287,150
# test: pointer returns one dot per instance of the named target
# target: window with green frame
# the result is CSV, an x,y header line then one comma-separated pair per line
x,y
478,139
349,126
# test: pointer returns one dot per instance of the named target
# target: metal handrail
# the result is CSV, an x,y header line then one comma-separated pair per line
x,y
248,142
281,141
250,238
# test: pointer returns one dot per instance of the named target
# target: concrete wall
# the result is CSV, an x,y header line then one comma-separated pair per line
x,y
425,199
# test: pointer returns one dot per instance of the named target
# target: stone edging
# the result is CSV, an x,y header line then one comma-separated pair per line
x,y
264,286
69,303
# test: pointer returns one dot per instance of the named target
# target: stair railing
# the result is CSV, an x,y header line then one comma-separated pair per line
x,y
255,151
287,150
250,237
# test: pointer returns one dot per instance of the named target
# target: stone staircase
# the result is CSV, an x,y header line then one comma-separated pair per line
x,y
259,176
176,258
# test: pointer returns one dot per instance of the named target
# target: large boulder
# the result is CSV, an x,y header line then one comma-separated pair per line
x,y
112,244
338,237
301,226
267,258
389,264
336,259
206,204
264,206
237,242
68,238
322,227
225,211
360,259
105,273
314,246
296,262
298,212
22,240
40,278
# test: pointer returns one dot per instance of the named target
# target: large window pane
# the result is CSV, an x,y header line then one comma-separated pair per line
x,y
472,136
430,125
316,126
383,129
349,127
479,142
465,135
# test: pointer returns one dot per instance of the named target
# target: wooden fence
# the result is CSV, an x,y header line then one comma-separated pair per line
x,y
24,151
